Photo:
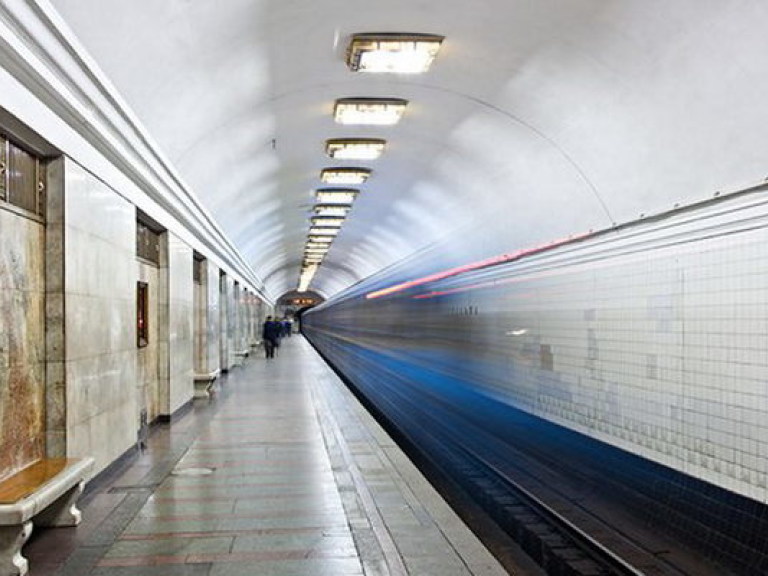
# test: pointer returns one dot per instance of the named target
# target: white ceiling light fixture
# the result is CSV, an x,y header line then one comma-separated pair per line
x,y
317,246
329,221
336,195
389,52
323,231
345,175
369,111
318,239
338,210
307,274
313,246
355,148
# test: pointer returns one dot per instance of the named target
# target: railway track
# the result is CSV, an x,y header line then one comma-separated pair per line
x,y
431,429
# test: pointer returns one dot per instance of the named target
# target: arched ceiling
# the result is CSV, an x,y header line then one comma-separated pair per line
x,y
537,120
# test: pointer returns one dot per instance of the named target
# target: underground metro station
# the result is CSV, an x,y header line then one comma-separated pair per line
x,y
324,288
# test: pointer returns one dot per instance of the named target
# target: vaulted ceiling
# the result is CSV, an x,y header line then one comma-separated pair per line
x,y
539,119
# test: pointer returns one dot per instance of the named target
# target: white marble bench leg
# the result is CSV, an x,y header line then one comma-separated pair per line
x,y
203,388
64,511
12,538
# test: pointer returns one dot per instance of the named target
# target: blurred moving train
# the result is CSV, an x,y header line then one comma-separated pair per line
x,y
631,361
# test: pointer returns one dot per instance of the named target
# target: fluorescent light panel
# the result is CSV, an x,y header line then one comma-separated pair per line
x,y
323,231
306,276
345,175
336,195
316,239
369,111
355,148
336,210
393,52
317,246
327,221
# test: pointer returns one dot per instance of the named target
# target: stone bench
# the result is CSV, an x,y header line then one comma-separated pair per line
x,y
240,356
203,383
45,494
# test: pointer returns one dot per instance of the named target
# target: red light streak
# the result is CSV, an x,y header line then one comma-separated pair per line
x,y
504,258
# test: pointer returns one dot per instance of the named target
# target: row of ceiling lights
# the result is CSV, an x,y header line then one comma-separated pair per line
x,y
376,53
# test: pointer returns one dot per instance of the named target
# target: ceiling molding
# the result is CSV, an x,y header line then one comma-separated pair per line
x,y
44,56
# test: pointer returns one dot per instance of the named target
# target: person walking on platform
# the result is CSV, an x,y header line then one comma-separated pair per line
x,y
270,334
287,327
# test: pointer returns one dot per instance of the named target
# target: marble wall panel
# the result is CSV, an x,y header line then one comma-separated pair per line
x,y
225,305
22,342
55,351
180,323
100,302
247,315
233,333
163,325
213,339
201,321
147,377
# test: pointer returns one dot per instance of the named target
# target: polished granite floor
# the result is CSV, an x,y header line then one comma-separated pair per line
x,y
281,472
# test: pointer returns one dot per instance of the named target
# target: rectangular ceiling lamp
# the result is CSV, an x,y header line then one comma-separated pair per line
x,y
315,239
355,148
345,175
336,195
329,221
334,210
369,111
393,52
323,231
317,246
303,284
306,276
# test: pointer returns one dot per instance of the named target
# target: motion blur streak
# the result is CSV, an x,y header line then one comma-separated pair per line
x,y
585,357
503,259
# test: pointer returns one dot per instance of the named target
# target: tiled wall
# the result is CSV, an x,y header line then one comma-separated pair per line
x,y
662,351
100,305
22,342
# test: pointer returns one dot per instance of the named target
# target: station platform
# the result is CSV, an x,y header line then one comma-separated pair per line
x,y
281,472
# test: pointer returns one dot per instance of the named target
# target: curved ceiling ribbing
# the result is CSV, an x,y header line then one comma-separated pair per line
x,y
538,119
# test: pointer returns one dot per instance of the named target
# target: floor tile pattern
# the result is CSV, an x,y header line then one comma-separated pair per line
x,y
281,473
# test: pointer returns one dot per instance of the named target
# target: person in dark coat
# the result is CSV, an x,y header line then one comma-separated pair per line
x,y
270,334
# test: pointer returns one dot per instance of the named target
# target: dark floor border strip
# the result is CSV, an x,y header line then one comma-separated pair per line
x,y
177,414
110,474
